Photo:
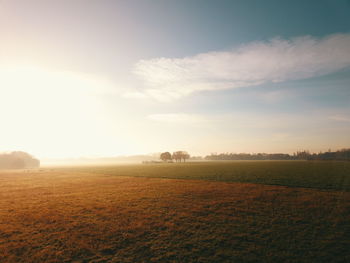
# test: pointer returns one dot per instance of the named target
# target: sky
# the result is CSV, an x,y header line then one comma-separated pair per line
x,y
107,78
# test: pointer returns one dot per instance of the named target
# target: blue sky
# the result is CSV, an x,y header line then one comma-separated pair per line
x,y
103,78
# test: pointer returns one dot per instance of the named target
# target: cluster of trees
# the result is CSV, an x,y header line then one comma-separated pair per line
x,y
343,154
18,160
248,156
177,156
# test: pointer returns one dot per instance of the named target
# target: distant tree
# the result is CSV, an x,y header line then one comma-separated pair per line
x,y
18,164
180,155
18,160
303,155
185,156
177,156
165,156
343,154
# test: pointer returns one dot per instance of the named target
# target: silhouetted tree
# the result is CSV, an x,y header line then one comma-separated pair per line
x,y
18,164
185,156
180,155
165,156
177,156
343,154
18,160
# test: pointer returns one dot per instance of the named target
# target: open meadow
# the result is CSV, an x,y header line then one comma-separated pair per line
x,y
174,131
250,211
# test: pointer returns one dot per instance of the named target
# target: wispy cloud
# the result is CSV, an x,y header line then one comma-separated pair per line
x,y
233,120
252,64
257,121
341,118
276,95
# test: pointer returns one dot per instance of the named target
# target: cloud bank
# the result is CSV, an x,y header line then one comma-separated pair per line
x,y
276,60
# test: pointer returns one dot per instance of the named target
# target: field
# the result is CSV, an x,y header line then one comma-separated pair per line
x,y
280,211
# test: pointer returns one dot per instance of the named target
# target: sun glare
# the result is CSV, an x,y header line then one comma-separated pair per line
x,y
44,111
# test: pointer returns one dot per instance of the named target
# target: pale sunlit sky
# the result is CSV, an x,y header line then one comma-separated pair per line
x,y
106,78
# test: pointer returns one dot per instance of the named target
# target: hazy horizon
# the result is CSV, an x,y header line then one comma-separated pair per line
x,y
118,78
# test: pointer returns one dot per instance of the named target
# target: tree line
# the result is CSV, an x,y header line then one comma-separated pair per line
x,y
18,160
343,154
176,156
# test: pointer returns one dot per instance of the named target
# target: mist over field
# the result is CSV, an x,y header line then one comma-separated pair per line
x,y
174,131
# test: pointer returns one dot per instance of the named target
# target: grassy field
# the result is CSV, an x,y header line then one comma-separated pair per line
x,y
222,212
311,174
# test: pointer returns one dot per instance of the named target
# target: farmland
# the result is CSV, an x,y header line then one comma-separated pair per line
x,y
281,211
311,174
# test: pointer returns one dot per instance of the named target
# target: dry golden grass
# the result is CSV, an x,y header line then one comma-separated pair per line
x,y
50,216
